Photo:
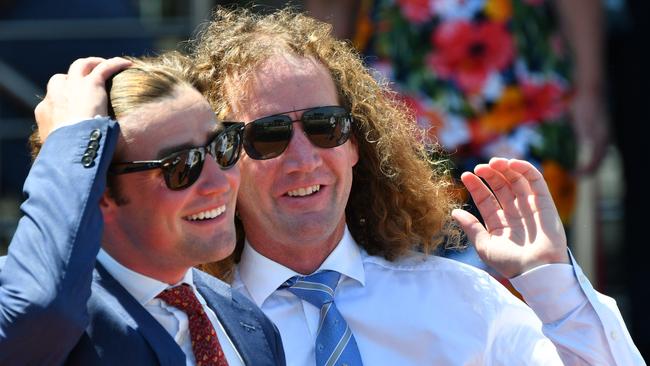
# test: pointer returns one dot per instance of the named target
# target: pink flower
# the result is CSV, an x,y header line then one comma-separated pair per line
x,y
416,11
467,53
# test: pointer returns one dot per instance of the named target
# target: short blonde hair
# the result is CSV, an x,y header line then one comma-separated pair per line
x,y
147,80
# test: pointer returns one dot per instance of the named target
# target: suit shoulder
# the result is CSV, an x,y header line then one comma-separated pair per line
x,y
212,282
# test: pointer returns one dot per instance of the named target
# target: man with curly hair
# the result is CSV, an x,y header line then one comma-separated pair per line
x,y
341,204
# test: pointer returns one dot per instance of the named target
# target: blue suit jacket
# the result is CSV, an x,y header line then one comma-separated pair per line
x,y
58,306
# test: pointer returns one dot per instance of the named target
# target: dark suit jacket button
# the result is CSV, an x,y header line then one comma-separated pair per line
x,y
95,134
93,144
90,153
87,161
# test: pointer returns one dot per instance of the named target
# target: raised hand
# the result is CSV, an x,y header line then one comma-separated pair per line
x,y
78,95
522,227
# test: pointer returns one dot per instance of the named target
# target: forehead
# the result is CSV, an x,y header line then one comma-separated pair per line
x,y
285,83
182,119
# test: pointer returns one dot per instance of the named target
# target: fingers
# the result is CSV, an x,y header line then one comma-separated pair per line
x,y
78,95
514,179
484,200
55,83
110,67
92,72
83,66
519,185
532,175
499,186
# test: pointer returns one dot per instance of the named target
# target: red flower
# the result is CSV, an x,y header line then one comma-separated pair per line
x,y
467,53
481,135
544,100
416,11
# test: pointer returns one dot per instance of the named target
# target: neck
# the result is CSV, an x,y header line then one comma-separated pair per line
x,y
142,264
304,255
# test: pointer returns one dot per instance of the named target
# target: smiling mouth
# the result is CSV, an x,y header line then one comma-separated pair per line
x,y
305,191
206,215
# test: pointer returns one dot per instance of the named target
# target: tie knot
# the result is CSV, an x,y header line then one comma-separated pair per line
x,y
181,297
317,289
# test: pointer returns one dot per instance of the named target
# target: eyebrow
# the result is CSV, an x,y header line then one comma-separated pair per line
x,y
186,146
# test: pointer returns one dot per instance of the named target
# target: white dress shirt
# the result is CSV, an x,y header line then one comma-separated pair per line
x,y
426,310
145,289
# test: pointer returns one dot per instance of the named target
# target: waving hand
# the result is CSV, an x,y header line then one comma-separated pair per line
x,y
522,227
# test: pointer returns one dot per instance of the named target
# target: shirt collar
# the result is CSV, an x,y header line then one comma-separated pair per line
x,y
141,287
262,276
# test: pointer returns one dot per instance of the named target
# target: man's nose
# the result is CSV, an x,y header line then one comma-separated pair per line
x,y
212,179
301,154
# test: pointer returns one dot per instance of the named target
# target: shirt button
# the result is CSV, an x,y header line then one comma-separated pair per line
x,y
95,134
320,347
613,335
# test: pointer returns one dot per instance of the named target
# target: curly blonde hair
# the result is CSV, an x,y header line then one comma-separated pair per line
x,y
402,192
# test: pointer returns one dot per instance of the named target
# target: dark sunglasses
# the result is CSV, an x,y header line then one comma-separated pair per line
x,y
182,168
268,137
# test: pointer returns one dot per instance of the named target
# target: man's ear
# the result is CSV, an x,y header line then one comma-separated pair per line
x,y
108,206
354,147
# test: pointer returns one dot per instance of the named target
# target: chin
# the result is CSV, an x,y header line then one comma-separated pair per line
x,y
212,250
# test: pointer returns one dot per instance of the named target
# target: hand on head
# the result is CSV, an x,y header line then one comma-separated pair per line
x,y
522,227
78,95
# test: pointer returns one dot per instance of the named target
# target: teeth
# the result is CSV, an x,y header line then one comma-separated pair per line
x,y
305,191
206,215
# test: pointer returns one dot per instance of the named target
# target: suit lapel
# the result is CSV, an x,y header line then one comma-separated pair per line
x,y
116,297
243,328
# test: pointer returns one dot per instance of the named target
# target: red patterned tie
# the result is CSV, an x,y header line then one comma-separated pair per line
x,y
205,344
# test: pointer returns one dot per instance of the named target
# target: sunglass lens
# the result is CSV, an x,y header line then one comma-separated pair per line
x,y
327,126
267,138
226,147
183,169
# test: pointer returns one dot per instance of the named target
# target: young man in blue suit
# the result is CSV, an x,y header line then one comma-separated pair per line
x,y
102,273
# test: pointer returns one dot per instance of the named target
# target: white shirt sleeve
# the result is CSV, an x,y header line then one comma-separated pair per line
x,y
585,326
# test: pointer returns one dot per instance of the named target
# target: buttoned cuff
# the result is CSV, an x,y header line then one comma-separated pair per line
x,y
551,290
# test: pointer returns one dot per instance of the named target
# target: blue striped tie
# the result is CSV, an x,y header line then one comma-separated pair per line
x,y
335,344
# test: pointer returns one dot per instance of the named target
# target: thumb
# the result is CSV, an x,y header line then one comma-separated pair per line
x,y
473,228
